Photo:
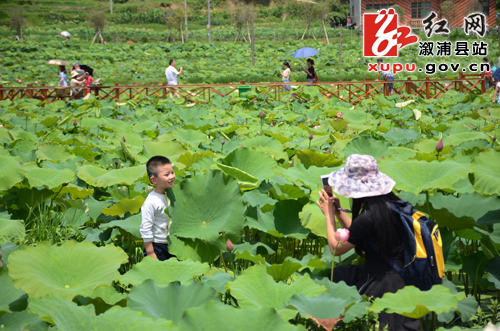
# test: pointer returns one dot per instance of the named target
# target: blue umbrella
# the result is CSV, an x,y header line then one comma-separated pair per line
x,y
305,52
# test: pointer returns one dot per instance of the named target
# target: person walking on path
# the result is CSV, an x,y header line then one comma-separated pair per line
x,y
286,76
310,70
62,76
76,93
88,81
172,74
385,74
374,229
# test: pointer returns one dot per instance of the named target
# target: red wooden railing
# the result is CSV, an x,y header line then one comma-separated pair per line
x,y
351,92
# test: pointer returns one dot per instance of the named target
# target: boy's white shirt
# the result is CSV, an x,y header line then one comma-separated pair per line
x,y
155,223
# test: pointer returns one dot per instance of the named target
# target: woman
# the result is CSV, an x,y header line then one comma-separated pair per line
x,y
310,70
76,93
286,76
372,221
88,81
62,76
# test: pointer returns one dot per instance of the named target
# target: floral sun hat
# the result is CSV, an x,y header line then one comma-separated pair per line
x,y
360,178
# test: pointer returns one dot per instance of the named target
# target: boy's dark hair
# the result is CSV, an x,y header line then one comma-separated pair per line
x,y
492,64
380,60
154,163
170,62
485,59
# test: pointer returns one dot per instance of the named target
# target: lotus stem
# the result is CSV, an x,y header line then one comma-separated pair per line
x,y
223,262
333,261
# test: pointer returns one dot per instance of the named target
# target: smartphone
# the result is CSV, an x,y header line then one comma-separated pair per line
x,y
326,186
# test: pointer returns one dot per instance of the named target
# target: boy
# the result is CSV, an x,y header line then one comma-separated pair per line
x,y
154,226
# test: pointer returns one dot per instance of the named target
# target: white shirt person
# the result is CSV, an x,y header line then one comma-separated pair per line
x,y
171,73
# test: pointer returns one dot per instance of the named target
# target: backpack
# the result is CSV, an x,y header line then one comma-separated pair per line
x,y
423,248
315,78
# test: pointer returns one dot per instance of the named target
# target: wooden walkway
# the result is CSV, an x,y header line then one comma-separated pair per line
x,y
351,92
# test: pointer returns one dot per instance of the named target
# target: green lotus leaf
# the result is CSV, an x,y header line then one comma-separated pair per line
x,y
323,306
125,205
76,192
131,224
95,207
309,177
23,145
462,137
367,145
189,159
317,141
312,218
413,303
163,272
71,269
195,249
487,176
11,172
108,294
11,230
206,205
416,176
66,315
283,271
246,181
53,152
256,198
466,308
283,221
9,292
309,260
100,177
215,317
22,321
356,311
254,163
171,301
255,248
189,137
255,288
310,157
170,149
50,178
263,141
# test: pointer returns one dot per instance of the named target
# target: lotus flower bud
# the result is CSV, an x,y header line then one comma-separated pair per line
x,y
223,141
57,122
235,133
439,146
402,96
223,123
75,123
311,136
262,114
379,122
241,146
65,184
123,139
98,125
400,123
116,162
440,113
27,116
339,115
494,137
328,150
272,125
229,246
342,235
454,113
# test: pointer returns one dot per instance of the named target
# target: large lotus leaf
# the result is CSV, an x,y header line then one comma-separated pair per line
x,y
451,254
309,177
11,172
22,321
100,177
462,212
131,224
23,145
215,317
413,303
263,141
71,269
367,145
323,306
246,181
66,315
53,152
50,178
171,301
309,261
459,138
124,206
256,198
283,271
170,149
487,173
416,176
163,272
282,221
255,288
312,218
206,205
310,157
76,192
196,249
11,230
218,281
466,308
189,159
95,207
189,137
9,292
254,163
108,294
401,136
255,248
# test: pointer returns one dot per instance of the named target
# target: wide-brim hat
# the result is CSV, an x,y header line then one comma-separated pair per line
x,y
74,74
360,178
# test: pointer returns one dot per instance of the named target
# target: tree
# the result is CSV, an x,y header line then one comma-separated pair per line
x,y
310,12
173,18
449,10
472,6
242,15
17,22
97,20
400,11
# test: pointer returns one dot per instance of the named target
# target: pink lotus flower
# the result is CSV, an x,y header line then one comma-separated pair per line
x,y
241,146
333,69
262,114
339,115
328,150
223,141
235,133
359,58
229,246
75,123
36,82
332,85
309,120
439,146
121,65
342,235
272,125
281,122
317,127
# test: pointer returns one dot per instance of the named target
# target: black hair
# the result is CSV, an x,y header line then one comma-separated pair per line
x,y
311,61
62,69
170,62
380,59
388,227
485,59
286,64
154,163
492,64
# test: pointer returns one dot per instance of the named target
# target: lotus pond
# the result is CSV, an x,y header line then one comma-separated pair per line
x,y
73,179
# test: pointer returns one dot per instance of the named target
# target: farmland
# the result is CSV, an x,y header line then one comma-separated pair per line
x,y
73,182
